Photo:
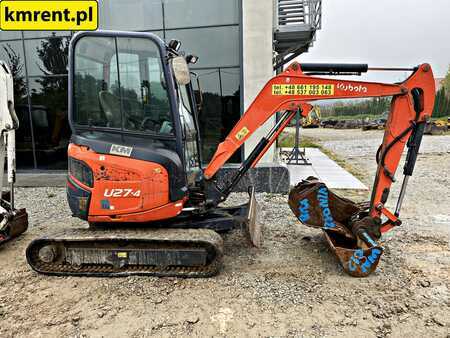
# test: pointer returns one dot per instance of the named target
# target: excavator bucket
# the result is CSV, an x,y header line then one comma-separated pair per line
x,y
356,261
252,224
316,206
12,222
13,225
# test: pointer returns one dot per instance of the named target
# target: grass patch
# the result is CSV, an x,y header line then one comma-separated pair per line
x,y
347,166
287,140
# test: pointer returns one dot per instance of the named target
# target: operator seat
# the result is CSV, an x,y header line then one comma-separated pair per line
x,y
110,105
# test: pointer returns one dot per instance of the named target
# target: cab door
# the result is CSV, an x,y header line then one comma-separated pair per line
x,y
190,134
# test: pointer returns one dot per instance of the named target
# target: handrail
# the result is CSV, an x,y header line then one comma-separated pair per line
x,y
298,12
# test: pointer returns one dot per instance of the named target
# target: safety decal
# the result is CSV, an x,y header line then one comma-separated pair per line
x,y
121,150
242,133
303,89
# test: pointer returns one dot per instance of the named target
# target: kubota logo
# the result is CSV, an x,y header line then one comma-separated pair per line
x,y
348,87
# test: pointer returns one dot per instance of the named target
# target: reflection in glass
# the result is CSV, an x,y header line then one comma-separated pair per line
x,y
221,108
12,53
10,35
195,13
44,34
144,98
215,47
131,97
47,56
95,76
24,144
131,15
50,121
141,94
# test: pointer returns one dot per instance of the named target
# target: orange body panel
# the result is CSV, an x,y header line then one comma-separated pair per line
x,y
126,189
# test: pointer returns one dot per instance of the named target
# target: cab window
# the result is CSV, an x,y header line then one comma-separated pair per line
x,y
119,84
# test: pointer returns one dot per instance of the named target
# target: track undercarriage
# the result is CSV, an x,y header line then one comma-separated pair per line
x,y
188,246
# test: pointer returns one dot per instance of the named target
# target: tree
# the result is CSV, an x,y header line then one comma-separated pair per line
x,y
442,103
446,82
53,53
16,66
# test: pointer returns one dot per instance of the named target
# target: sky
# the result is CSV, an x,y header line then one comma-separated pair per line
x,y
394,33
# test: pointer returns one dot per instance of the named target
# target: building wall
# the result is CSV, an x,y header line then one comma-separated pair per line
x,y
257,67
209,29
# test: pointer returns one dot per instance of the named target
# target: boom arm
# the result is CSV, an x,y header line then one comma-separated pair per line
x,y
411,106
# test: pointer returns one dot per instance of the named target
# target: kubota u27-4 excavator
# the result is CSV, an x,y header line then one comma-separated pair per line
x,y
135,165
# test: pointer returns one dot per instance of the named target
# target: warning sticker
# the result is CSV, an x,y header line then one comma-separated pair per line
x,y
240,135
303,89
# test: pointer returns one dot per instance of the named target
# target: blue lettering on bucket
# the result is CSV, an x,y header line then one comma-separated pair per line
x,y
322,196
303,208
365,263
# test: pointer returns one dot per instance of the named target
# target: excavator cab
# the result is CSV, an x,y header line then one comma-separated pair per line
x,y
134,122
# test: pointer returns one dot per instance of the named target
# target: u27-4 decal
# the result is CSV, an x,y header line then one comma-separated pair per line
x,y
122,193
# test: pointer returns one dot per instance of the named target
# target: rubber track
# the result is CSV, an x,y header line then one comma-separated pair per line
x,y
201,236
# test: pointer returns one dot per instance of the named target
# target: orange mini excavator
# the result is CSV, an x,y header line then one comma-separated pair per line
x,y
135,171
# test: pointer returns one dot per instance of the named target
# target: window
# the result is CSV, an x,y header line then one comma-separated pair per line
x,y
195,13
95,75
50,121
119,83
215,46
48,56
131,15
10,35
221,108
12,53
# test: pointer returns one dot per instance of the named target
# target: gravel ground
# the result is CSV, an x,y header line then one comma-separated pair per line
x,y
292,287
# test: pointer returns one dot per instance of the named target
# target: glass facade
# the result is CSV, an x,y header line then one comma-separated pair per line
x,y
208,29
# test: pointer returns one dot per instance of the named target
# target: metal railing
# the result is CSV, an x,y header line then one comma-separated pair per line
x,y
298,12
295,25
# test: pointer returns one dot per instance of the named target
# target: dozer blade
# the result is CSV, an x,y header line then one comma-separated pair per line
x,y
252,224
116,253
15,224
351,239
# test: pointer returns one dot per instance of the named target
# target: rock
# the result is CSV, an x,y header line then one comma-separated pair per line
x,y
439,320
193,319
425,283
100,314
